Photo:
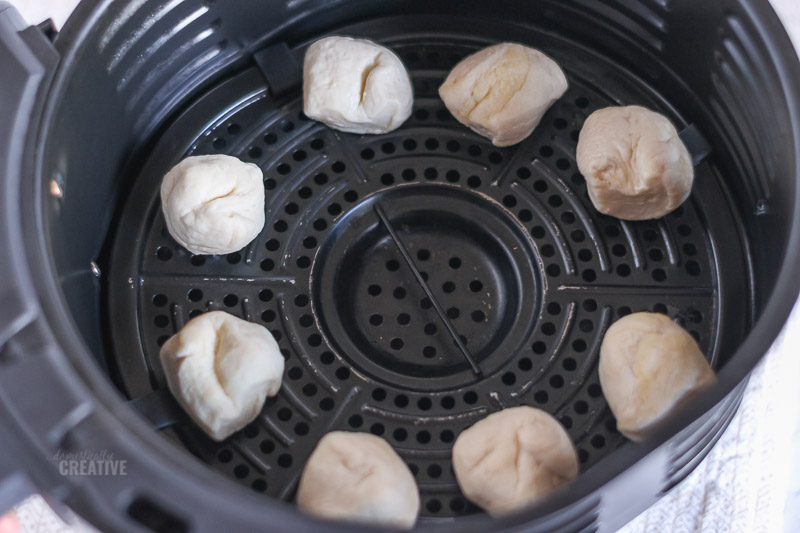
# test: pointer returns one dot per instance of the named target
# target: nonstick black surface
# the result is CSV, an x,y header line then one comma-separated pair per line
x,y
527,272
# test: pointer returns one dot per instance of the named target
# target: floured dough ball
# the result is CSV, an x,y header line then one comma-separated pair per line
x,y
636,167
513,457
221,368
648,366
358,477
213,204
355,85
502,91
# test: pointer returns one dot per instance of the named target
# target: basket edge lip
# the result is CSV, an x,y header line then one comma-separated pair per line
x,y
760,338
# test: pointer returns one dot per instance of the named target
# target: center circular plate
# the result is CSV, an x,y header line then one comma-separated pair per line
x,y
474,257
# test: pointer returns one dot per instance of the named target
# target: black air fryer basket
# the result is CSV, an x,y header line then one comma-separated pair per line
x,y
385,260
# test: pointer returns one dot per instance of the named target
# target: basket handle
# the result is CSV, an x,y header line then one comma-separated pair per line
x,y
27,62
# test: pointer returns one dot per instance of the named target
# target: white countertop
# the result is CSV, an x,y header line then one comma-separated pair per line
x,y
750,482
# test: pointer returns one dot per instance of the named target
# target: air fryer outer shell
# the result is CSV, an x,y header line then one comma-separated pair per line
x,y
54,395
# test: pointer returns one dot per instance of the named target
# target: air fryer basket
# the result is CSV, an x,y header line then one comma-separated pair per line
x,y
387,262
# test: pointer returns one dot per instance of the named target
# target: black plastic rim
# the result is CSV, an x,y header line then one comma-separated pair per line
x,y
47,337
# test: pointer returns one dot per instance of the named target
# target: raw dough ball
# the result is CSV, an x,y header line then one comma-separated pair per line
x,y
213,204
513,457
358,477
502,91
221,368
649,365
636,167
355,85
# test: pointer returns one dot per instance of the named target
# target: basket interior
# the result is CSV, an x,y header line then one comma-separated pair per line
x,y
528,274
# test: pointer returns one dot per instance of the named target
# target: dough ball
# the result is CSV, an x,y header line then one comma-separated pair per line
x,y
221,368
648,366
502,91
636,167
355,85
513,457
213,204
358,477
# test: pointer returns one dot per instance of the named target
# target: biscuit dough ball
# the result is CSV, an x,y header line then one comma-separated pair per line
x,y
502,91
221,368
636,167
358,477
513,457
648,366
355,85
213,204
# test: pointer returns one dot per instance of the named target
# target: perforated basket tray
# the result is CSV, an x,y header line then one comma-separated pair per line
x,y
528,274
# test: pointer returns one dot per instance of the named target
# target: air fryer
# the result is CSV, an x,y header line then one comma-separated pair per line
x,y
416,281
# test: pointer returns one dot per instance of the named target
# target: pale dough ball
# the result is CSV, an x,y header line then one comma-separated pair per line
x,y
502,91
358,477
221,368
355,85
213,204
648,366
513,457
636,167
